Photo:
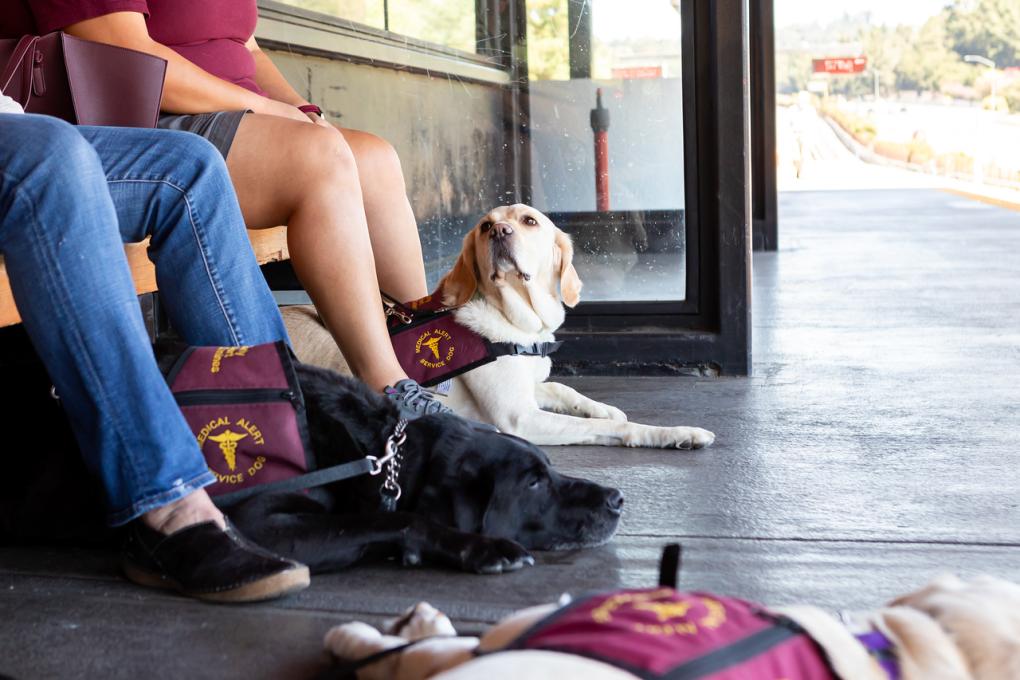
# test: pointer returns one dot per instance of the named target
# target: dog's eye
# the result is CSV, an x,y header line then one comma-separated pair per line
x,y
535,481
530,221
485,226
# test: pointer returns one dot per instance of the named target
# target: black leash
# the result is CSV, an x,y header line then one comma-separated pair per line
x,y
349,670
391,460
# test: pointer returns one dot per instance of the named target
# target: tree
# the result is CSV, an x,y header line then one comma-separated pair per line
x,y
990,28
548,40
928,62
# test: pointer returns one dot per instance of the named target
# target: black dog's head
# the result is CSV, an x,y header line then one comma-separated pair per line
x,y
498,485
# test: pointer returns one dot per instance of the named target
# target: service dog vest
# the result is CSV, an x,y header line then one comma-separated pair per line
x,y
432,347
245,408
663,633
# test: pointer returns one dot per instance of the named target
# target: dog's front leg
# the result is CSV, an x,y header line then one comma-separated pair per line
x,y
327,542
556,429
559,398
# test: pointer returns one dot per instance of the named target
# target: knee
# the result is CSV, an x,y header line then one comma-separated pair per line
x,y
377,158
58,149
327,156
194,157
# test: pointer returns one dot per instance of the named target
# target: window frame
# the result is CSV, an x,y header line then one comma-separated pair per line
x,y
710,331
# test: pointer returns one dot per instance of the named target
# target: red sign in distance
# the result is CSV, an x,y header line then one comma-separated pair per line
x,y
637,72
840,65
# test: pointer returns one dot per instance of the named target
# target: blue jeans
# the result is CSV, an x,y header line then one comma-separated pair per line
x,y
69,199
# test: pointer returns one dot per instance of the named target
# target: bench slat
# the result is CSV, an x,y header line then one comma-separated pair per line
x,y
270,245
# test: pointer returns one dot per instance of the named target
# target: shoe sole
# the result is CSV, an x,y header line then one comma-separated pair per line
x,y
268,588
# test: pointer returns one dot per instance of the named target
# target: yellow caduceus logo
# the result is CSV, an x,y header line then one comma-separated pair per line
x,y
227,432
674,617
228,446
437,347
665,610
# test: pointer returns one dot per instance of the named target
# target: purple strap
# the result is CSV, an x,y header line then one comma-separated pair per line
x,y
883,650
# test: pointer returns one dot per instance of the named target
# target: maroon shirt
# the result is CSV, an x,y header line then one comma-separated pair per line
x,y
209,33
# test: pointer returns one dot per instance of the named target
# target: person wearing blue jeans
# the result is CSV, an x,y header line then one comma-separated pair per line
x,y
69,198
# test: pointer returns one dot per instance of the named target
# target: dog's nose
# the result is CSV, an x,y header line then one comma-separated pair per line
x,y
501,229
614,501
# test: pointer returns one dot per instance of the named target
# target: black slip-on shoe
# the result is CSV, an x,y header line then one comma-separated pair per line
x,y
209,563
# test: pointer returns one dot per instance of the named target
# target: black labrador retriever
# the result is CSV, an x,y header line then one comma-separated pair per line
x,y
472,499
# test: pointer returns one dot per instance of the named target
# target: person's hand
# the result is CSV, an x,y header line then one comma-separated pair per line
x,y
320,120
275,108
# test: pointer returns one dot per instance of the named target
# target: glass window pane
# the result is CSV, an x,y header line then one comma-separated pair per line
x,y
450,23
626,210
368,12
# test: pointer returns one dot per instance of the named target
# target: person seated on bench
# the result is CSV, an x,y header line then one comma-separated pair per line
x,y
69,199
340,192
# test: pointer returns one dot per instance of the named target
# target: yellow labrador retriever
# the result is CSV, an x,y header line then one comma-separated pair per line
x,y
509,284
949,630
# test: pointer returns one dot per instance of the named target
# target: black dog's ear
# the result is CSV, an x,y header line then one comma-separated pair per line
x,y
467,512
470,498
496,521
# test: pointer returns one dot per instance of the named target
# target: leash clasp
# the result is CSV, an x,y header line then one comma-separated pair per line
x,y
394,308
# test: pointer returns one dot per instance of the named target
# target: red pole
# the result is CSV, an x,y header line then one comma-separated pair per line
x,y
600,126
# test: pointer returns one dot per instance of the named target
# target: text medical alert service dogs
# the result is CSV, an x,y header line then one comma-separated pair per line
x,y
514,273
948,630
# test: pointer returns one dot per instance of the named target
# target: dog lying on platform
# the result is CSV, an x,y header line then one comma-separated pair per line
x,y
471,498
948,630
509,285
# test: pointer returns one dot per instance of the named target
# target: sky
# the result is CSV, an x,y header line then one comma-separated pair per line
x,y
912,12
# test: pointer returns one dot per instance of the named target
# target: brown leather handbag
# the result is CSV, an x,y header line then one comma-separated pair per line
x,y
81,81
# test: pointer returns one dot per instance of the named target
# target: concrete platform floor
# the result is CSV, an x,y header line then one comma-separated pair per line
x,y
874,447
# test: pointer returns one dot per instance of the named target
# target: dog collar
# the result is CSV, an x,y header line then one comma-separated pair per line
x,y
875,643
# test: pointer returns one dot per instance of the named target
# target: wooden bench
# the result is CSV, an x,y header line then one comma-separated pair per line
x,y
270,245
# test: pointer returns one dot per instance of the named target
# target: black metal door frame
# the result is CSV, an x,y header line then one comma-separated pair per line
x,y
709,332
763,125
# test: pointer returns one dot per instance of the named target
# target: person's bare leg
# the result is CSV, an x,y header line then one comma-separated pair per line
x,y
305,176
391,223
195,508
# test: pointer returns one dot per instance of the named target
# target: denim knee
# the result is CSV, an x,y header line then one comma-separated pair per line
x,y
194,155
58,149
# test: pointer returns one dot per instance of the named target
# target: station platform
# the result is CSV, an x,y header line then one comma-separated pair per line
x,y
875,446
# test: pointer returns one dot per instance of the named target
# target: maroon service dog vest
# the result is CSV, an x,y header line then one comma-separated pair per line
x,y
432,347
663,633
245,407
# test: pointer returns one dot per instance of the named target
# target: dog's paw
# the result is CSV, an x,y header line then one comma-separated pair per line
x,y
421,621
494,556
353,640
668,437
613,413
690,438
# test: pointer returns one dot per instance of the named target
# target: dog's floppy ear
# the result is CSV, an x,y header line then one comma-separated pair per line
x,y
459,284
480,508
570,282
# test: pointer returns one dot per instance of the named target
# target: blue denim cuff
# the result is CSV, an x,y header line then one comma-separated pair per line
x,y
178,491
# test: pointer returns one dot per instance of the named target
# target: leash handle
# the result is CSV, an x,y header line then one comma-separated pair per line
x,y
669,566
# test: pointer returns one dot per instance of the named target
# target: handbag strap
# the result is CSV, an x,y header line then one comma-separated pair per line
x,y
22,53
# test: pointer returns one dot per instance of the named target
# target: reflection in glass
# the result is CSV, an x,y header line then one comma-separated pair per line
x,y
450,23
611,173
369,12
